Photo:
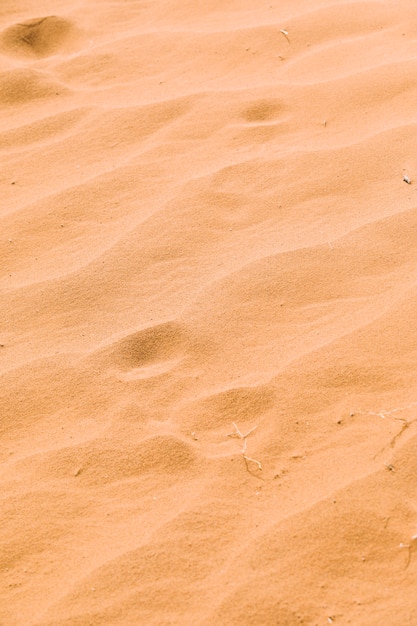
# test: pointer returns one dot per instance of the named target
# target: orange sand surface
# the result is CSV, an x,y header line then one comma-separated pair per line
x,y
208,312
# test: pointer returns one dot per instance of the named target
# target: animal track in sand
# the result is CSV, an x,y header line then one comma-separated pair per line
x,y
151,345
38,37
263,111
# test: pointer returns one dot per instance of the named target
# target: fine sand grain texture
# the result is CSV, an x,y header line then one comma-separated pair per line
x,y
208,313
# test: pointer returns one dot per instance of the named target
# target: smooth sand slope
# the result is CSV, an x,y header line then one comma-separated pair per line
x,y
208,318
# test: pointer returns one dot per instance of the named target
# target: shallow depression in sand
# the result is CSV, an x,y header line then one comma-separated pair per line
x,y
39,37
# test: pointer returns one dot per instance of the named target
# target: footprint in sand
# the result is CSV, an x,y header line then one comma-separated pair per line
x,y
39,37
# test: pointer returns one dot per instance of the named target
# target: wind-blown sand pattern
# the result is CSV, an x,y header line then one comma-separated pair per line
x,y
208,313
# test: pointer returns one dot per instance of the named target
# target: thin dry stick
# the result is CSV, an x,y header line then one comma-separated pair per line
x,y
405,425
384,414
237,433
285,33
410,547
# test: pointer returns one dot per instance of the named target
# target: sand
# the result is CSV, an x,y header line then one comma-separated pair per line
x,y
208,312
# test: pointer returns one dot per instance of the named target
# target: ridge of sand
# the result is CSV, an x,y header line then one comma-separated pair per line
x,y
208,322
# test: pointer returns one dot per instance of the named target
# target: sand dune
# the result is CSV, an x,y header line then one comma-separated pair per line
x,y
208,315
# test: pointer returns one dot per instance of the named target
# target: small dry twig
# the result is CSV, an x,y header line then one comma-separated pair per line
x,y
237,433
384,414
285,33
410,547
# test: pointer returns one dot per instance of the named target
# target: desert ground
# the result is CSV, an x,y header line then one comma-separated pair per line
x,y
208,328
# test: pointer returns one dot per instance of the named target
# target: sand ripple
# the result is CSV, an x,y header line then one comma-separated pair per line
x,y
208,313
